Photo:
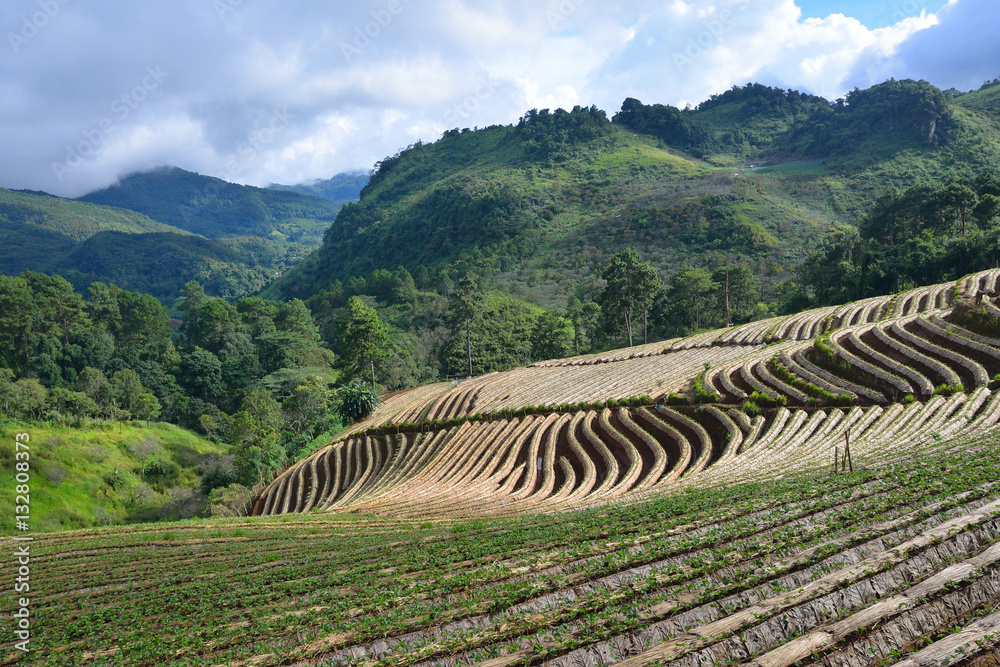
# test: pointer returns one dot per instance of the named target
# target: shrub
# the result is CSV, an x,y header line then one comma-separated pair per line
x,y
766,401
948,390
702,395
676,399
751,408
357,401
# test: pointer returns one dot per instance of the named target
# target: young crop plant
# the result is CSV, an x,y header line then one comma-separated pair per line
x,y
701,394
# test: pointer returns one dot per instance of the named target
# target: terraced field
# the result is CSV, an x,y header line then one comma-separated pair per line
x,y
791,392
703,524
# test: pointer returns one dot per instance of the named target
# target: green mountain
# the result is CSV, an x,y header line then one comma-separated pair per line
x,y
43,214
155,231
755,175
86,242
215,208
340,189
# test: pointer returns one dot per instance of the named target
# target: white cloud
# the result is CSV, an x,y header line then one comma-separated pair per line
x,y
362,80
958,50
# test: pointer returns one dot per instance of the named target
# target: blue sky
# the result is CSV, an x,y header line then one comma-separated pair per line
x,y
870,14
262,92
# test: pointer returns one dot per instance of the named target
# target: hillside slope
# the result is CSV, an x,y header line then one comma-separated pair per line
x,y
893,563
234,240
86,242
755,175
566,433
215,208
77,221
83,474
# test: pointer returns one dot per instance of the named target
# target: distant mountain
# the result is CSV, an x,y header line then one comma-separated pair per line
x,y
756,175
341,189
43,213
87,242
156,230
215,208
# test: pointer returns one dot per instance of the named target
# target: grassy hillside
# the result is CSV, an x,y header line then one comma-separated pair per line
x,y
544,216
81,473
985,100
43,214
755,175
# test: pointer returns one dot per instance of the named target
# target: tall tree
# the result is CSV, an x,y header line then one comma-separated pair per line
x,y
254,435
194,301
466,307
551,336
743,295
18,323
691,289
365,338
631,287
585,318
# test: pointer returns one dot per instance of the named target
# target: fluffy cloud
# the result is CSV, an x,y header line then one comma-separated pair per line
x,y
960,51
284,93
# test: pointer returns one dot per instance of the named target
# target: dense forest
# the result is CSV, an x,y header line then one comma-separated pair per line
x,y
923,235
253,374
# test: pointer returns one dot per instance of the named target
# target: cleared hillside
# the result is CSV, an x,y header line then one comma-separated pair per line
x,y
568,433
685,528
894,563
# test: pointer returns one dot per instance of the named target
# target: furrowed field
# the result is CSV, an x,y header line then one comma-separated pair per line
x,y
670,504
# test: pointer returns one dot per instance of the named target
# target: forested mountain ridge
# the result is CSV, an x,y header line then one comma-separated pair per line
x,y
76,221
155,231
88,243
216,208
755,175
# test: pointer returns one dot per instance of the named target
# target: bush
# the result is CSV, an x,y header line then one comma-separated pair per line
x,y
357,401
219,471
766,401
948,390
702,395
676,399
751,408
